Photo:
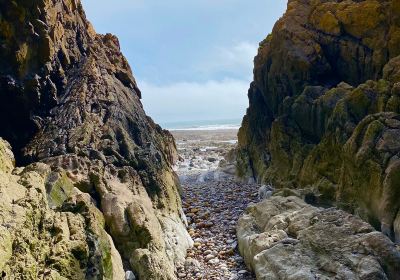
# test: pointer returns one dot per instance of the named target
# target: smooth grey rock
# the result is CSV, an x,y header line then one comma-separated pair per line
x,y
328,243
129,275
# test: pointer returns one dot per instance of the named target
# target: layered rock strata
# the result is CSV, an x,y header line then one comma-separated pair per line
x,y
324,108
68,99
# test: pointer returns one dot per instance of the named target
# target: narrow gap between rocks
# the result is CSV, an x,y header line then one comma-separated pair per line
x,y
212,200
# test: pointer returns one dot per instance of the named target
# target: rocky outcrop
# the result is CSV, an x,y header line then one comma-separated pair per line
x,y
286,238
38,242
324,108
68,99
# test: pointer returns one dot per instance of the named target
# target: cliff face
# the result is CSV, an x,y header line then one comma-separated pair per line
x,y
68,99
324,108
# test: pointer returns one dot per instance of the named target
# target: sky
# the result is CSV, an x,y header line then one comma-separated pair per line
x,y
192,59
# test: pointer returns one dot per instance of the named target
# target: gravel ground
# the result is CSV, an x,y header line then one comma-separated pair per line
x,y
213,201
213,208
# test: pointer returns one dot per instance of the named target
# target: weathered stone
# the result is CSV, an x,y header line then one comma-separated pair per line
x,y
7,162
129,275
68,99
37,242
324,105
285,238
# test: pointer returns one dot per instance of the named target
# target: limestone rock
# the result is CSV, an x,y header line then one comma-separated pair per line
x,y
324,107
285,238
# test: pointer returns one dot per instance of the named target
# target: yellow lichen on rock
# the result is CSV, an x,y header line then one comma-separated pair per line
x,y
360,19
326,22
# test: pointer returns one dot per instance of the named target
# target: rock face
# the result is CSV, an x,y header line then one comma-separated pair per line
x,y
286,238
39,243
68,100
324,108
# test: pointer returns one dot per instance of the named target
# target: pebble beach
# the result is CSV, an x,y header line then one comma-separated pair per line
x,y
213,200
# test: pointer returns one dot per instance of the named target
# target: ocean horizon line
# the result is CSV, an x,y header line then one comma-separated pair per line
x,y
203,125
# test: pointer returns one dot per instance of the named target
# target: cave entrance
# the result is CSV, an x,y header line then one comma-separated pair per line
x,y
16,124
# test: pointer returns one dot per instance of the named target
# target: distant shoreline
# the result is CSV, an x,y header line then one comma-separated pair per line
x,y
208,125
222,135
219,128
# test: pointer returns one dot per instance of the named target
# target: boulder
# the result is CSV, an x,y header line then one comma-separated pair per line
x,y
286,238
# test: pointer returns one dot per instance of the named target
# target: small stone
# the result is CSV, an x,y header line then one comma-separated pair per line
x,y
209,257
191,263
213,261
129,275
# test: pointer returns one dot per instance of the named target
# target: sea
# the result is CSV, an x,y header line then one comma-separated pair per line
x,y
202,124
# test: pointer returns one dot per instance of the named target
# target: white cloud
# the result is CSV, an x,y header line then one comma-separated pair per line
x,y
212,100
241,54
236,59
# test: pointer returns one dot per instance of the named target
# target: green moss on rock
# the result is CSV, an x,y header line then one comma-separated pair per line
x,y
59,188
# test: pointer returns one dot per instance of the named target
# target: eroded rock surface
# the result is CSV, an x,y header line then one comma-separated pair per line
x,y
40,243
68,99
324,108
286,238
